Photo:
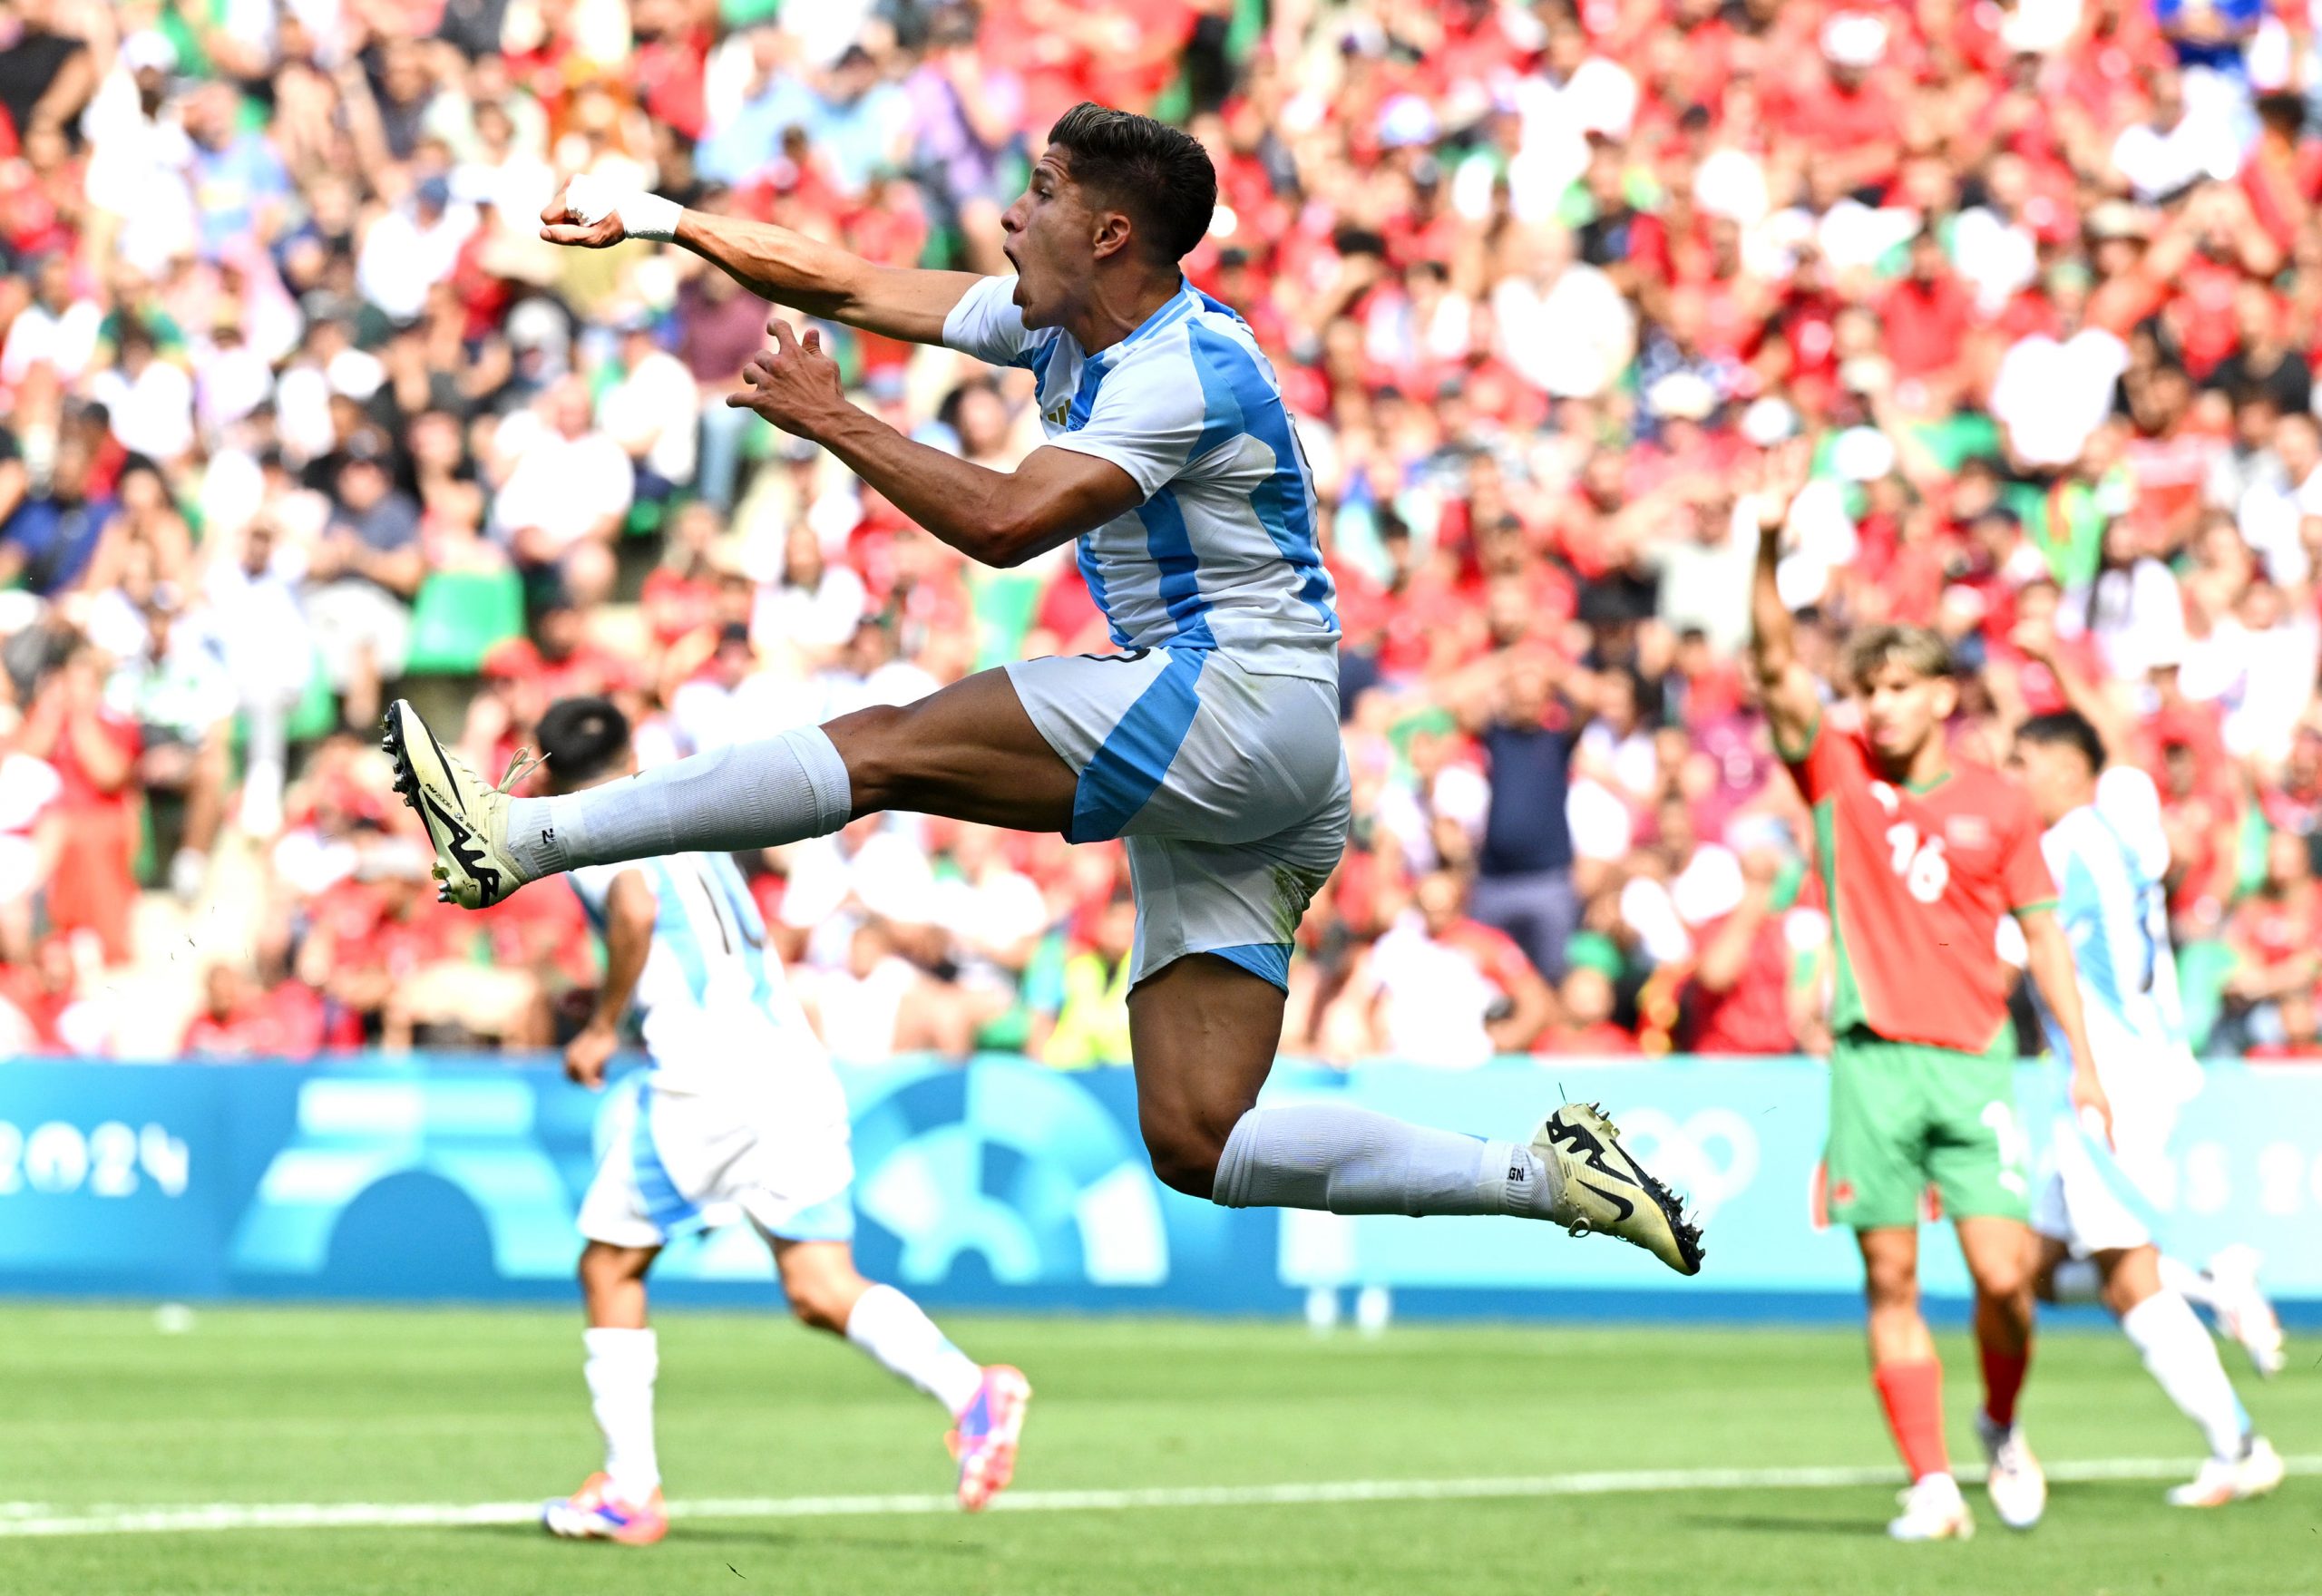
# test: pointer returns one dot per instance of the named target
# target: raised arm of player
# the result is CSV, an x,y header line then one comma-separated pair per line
x,y
997,517
2037,640
1785,687
2047,959
821,279
631,911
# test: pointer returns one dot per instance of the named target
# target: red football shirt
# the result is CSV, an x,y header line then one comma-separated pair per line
x,y
1917,882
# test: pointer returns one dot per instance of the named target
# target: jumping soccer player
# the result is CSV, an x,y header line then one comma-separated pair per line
x,y
2106,848
1210,744
740,1111
1919,856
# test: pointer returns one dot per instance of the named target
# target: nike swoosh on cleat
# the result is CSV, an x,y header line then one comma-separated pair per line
x,y
1626,1207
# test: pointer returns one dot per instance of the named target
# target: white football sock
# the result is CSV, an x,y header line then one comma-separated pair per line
x,y
2181,1356
2076,1281
1346,1160
620,1370
749,795
2186,1282
901,1340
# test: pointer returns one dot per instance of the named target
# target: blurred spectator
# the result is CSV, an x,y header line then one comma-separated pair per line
x,y
566,491
362,575
1441,989
1092,1010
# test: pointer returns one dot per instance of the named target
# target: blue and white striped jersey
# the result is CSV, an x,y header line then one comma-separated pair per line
x,y
2108,859
710,967
1224,553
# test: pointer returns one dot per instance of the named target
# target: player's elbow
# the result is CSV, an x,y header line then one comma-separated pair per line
x,y
1011,533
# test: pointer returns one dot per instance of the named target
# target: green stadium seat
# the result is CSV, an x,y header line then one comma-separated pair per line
x,y
459,616
1005,602
2202,970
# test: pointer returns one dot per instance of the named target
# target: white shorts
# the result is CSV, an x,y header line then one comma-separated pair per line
x,y
1229,788
2099,1198
675,1162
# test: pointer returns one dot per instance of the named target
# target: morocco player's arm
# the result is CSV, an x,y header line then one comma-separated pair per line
x,y
772,262
1785,686
631,911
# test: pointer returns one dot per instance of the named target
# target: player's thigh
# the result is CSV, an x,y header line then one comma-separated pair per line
x,y
1203,1033
2001,1254
1978,1153
1877,1154
967,752
1261,755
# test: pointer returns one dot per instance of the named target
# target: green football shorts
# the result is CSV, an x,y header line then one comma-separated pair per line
x,y
1905,1115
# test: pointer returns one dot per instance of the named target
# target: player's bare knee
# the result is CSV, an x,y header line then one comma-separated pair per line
x,y
875,744
1185,1153
2003,1280
1892,1286
819,1308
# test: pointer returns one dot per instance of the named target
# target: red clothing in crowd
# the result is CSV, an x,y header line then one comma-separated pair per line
x,y
1752,1015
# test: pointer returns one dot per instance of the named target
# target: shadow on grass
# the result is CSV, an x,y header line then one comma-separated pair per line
x,y
735,1537
1767,1523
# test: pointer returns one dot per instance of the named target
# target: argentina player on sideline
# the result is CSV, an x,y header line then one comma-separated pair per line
x,y
1210,744
740,1115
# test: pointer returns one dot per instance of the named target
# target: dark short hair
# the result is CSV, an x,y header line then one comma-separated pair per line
x,y
2065,728
581,739
1160,176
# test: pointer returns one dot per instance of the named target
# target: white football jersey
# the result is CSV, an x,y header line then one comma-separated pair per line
x,y
1224,553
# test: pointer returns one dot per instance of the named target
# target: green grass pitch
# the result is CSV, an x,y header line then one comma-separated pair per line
x,y
103,1413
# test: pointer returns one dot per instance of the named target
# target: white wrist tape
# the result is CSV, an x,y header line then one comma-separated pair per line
x,y
642,215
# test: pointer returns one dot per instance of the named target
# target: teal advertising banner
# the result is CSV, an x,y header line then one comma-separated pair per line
x,y
997,1183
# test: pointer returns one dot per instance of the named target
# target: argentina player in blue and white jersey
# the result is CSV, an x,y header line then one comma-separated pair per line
x,y
1209,745
2098,1205
740,1116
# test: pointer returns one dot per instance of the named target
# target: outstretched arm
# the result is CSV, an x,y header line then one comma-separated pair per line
x,y
2037,639
772,262
1784,685
1001,518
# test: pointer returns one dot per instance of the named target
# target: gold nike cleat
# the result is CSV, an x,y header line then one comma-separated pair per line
x,y
466,819
1602,1189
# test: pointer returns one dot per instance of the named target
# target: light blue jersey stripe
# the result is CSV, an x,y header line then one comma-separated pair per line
x,y
1173,551
673,924
2084,917
752,926
665,1205
1131,761
1237,399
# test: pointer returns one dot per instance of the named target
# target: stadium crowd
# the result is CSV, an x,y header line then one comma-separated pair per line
x,y
297,411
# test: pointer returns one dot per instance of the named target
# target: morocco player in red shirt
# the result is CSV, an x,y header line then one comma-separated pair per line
x,y
1919,858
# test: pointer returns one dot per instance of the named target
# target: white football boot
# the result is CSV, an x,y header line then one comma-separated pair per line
x,y
465,817
1933,1510
2257,1471
2018,1485
1601,1188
